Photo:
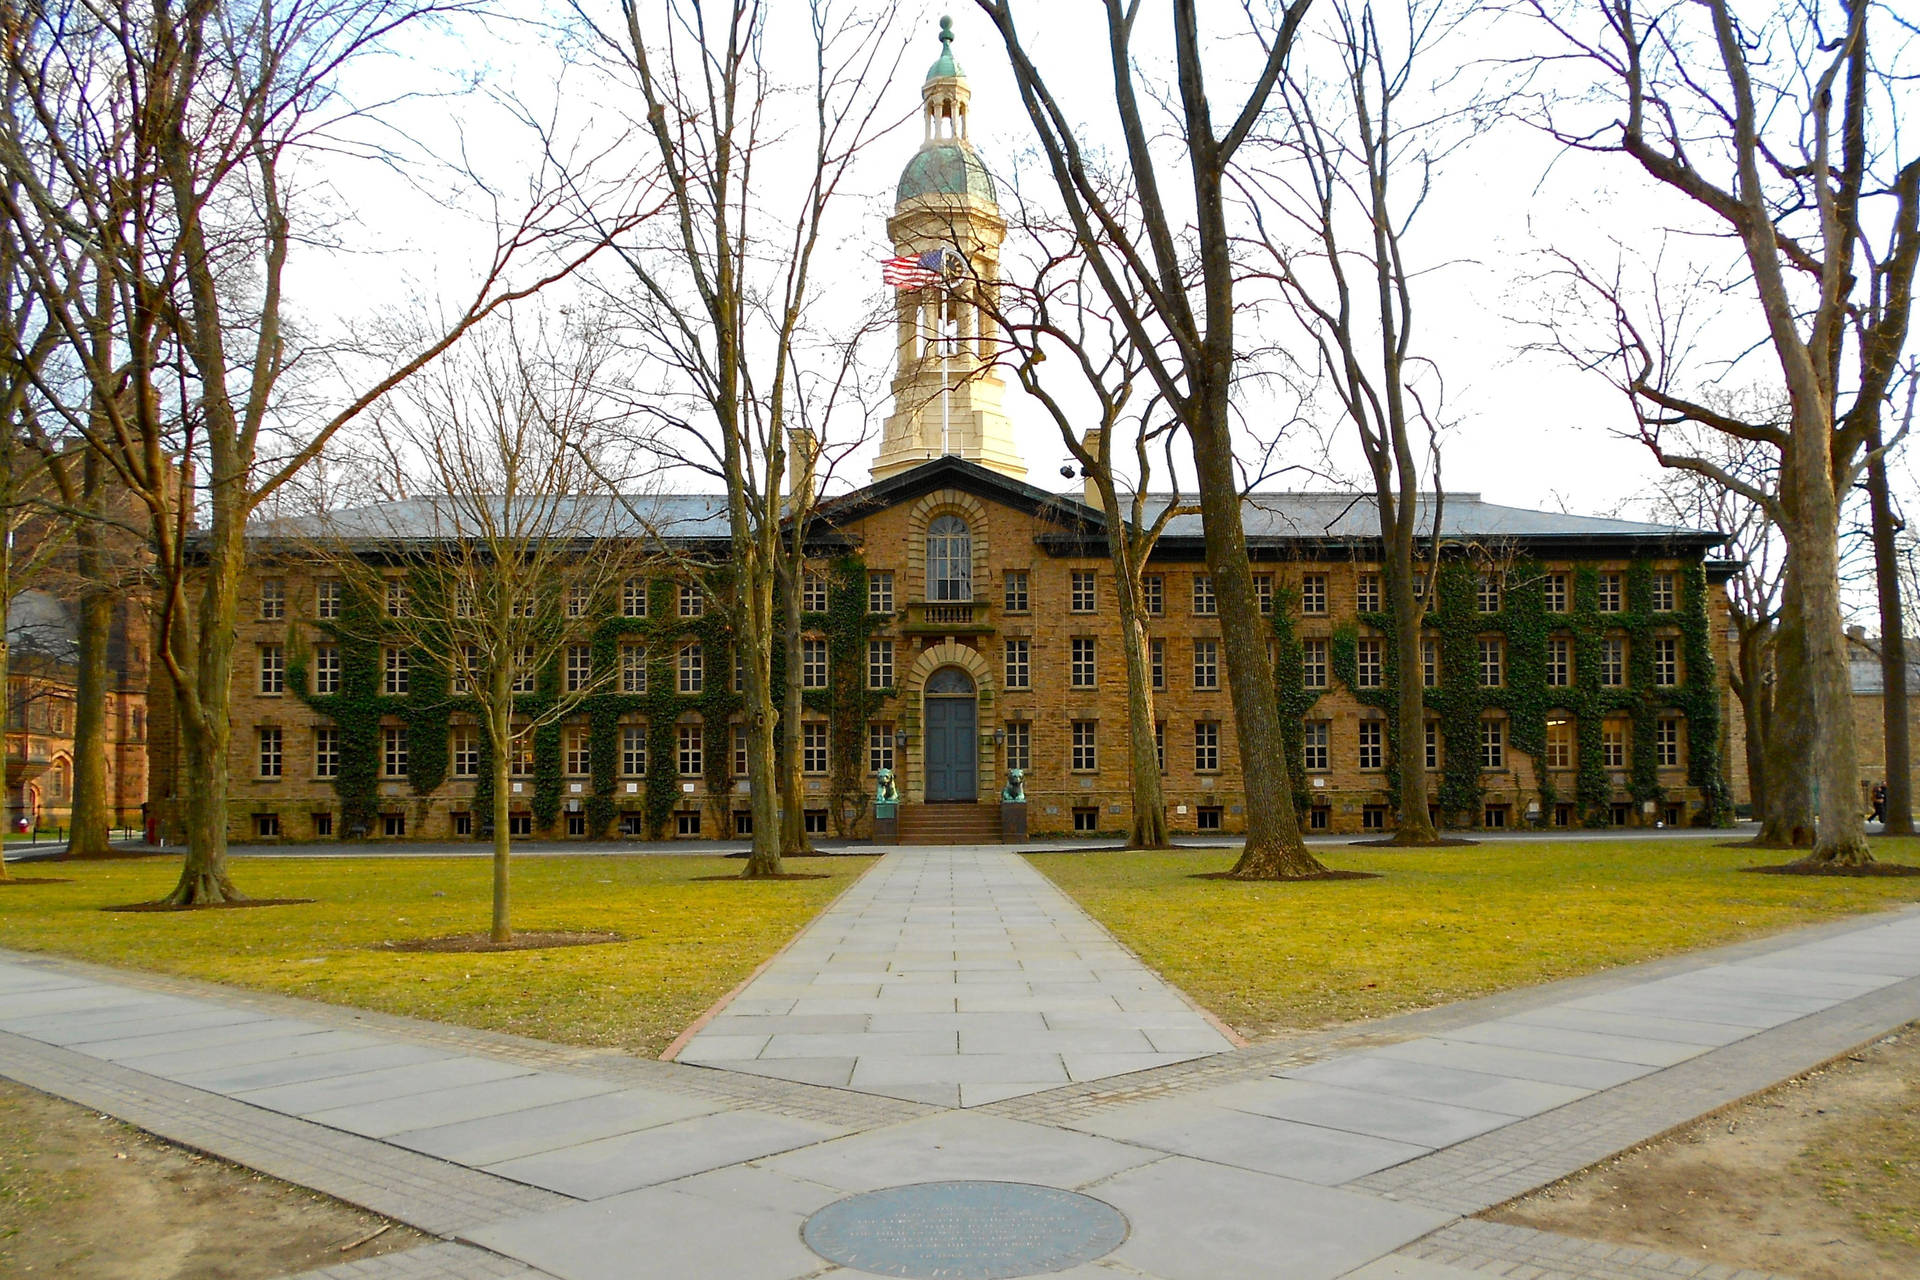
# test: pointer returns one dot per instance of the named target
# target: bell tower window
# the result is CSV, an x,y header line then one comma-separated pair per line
x,y
949,559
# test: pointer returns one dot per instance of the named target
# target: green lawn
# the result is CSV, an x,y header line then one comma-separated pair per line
x,y
1442,924
688,941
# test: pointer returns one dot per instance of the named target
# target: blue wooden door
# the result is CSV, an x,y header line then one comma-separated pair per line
x,y
950,750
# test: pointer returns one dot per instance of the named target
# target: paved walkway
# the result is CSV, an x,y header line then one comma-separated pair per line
x,y
955,977
1358,1154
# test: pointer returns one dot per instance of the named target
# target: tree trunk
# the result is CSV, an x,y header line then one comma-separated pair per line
x,y
1410,745
499,928
1756,710
1787,822
6,702
1149,830
88,838
756,610
1893,646
793,791
202,650
1274,849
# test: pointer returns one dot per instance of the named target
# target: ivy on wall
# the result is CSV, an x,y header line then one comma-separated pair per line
x,y
1456,625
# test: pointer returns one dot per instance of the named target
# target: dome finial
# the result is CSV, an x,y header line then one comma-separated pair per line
x,y
945,68
946,29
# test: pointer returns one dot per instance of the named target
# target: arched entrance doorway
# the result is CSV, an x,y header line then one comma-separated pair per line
x,y
952,737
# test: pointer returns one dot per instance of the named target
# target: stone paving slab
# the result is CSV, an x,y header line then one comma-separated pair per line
x,y
954,977
534,1129
448,1106
430,1262
608,1166
956,1146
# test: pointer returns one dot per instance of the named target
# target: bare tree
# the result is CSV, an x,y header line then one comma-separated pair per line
x,y
1168,273
723,298
499,572
1766,124
1885,529
1340,152
154,153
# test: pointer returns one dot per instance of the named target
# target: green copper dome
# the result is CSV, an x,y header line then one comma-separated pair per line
x,y
946,169
945,67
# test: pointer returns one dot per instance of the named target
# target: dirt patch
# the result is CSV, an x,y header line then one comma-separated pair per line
x,y
1819,1178
1444,842
83,1197
240,904
528,940
1328,874
784,875
1835,869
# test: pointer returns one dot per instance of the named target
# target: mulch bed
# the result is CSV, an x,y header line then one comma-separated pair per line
x,y
1836,869
1444,842
1329,874
239,905
784,875
527,940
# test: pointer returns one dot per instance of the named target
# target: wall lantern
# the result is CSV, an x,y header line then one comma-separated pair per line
x,y
999,737
899,737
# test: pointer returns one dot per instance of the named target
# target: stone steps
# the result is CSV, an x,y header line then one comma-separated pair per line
x,y
949,824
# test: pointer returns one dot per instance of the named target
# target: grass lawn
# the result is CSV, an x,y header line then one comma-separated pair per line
x,y
1442,924
688,941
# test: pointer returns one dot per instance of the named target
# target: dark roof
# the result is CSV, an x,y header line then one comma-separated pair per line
x,y
1277,524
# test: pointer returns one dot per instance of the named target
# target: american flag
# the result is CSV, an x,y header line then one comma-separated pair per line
x,y
914,273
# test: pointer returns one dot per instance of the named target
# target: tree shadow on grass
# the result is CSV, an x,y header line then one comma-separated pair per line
x,y
1805,868
475,943
235,905
1328,874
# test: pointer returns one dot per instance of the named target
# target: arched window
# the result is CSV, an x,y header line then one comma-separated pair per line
x,y
949,559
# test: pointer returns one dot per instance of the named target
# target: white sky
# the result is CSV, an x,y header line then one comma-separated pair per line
x,y
1530,431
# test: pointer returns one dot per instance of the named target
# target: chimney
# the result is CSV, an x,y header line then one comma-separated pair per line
x,y
803,455
1091,490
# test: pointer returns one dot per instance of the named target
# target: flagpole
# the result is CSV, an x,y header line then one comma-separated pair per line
x,y
946,377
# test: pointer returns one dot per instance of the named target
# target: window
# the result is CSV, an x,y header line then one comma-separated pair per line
x,y
466,667
326,668
1613,744
1086,818
396,599
693,667
692,750
1085,754
1016,585
1206,747
1433,744
1313,664
1204,603
1368,671
395,824
576,824
633,750
880,745
633,598
1372,744
1318,734
266,825
322,824
1082,674
520,753
1663,592
1493,744
524,674
1153,594
1430,664
1373,817
813,592
1666,741
326,752
949,559
519,824
463,748
879,664
1157,663
1019,664
579,668
1318,817
397,662
1553,592
1081,597
693,601
273,668
1493,662
577,600
1263,592
687,822
394,751
814,821
1367,593
273,599
1019,745
327,594
1206,664
271,757
1613,661
813,747
1313,595
1559,661
813,662
1610,593
740,764
880,591
1488,594
575,751
1494,815
1559,743
1206,817
463,601
1666,660
633,668
739,671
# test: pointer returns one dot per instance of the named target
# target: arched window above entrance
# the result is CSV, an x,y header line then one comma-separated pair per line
x,y
950,682
949,559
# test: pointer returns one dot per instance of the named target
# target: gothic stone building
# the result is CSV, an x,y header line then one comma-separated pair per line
x,y
962,623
